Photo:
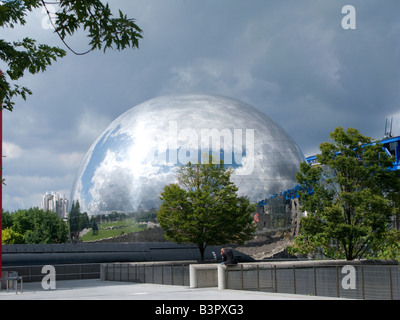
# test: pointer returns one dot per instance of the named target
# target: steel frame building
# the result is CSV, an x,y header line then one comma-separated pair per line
x,y
391,145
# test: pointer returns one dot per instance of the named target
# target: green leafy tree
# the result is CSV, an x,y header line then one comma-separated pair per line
x,y
93,16
94,226
9,236
84,221
48,228
204,209
6,220
147,216
349,208
35,226
77,221
23,220
74,221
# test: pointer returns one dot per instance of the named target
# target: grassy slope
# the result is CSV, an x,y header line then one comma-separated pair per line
x,y
127,226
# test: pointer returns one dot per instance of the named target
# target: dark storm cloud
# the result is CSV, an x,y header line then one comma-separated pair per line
x,y
290,59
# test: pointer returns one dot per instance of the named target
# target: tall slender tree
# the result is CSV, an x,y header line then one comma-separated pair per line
x,y
74,219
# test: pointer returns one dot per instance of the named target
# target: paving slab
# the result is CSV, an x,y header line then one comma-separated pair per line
x,y
95,289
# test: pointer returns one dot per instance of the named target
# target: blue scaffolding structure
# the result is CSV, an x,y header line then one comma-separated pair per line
x,y
391,145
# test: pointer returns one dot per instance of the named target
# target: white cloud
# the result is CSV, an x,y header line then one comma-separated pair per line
x,y
29,173
26,191
90,124
11,150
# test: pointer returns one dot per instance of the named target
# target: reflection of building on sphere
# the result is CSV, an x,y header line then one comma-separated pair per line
x,y
138,154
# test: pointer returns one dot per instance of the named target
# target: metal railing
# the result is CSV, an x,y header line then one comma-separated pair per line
x,y
63,272
354,282
155,273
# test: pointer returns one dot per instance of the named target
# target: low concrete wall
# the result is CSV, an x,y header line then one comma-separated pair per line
x,y
203,275
366,279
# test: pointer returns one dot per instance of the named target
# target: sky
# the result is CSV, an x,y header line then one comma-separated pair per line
x,y
295,60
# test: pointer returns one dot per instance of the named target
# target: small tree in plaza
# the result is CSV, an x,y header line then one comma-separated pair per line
x,y
348,198
204,209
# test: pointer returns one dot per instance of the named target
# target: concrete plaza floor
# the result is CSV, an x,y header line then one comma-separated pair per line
x,y
111,290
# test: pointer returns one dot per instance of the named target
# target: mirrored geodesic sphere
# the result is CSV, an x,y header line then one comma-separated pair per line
x,y
139,153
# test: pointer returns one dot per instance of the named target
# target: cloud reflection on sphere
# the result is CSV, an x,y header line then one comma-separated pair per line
x,y
139,153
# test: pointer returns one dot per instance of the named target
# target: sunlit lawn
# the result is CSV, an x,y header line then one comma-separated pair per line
x,y
128,226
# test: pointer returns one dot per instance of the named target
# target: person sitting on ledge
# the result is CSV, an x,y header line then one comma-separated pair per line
x,y
228,258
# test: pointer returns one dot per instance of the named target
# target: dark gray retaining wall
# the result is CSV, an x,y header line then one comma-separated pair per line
x,y
81,253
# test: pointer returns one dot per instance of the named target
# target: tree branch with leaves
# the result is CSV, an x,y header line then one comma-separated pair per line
x,y
349,209
103,30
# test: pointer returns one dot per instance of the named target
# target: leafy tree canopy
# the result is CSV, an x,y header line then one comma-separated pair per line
x,y
33,226
350,205
204,209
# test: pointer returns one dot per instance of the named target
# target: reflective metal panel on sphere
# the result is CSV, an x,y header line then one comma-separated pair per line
x,y
139,153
